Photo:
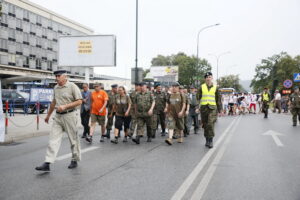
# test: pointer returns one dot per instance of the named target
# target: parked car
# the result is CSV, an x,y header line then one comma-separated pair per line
x,y
19,100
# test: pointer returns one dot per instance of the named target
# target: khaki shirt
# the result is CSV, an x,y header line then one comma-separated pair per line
x,y
175,102
66,94
143,102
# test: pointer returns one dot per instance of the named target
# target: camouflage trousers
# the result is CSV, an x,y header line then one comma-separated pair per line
x,y
208,117
296,113
133,124
110,120
141,121
265,108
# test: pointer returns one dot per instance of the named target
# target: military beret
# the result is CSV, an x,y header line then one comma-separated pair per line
x,y
136,83
157,84
192,87
176,84
114,85
60,72
142,83
207,74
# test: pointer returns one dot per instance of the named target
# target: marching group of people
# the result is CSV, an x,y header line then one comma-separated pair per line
x,y
145,108
173,108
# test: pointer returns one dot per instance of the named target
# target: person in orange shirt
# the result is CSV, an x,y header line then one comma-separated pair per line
x,y
99,100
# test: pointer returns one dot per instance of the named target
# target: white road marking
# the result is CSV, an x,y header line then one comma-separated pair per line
x,y
193,175
201,188
275,137
82,151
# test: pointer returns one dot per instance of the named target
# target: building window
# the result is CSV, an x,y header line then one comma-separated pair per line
x,y
3,59
4,20
19,49
12,59
12,35
11,10
26,38
19,13
32,29
4,33
4,8
11,22
26,27
32,18
26,15
19,26
3,45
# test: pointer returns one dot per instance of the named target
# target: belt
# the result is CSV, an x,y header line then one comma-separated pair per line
x,y
65,112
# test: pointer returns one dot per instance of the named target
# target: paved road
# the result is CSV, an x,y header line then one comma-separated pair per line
x,y
245,164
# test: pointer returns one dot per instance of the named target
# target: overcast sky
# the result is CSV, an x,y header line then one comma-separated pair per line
x,y
250,29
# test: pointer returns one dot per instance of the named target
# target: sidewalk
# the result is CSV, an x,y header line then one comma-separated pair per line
x,y
22,126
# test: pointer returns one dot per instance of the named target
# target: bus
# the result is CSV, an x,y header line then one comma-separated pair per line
x,y
227,90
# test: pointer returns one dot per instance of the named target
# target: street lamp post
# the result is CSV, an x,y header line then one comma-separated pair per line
x,y
136,40
217,58
202,29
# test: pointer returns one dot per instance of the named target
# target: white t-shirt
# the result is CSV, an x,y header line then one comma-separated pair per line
x,y
253,99
225,100
278,96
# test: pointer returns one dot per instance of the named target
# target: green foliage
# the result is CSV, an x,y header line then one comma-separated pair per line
x,y
189,73
274,70
230,81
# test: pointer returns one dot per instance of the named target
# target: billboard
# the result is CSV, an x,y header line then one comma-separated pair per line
x,y
41,94
164,73
87,51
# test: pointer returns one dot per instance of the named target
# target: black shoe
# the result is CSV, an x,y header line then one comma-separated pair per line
x,y
294,124
89,139
174,137
266,117
115,141
149,139
44,167
107,134
211,144
102,138
195,131
163,134
73,164
136,139
125,139
83,136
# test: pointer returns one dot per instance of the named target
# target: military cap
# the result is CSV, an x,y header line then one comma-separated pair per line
x,y
114,85
207,74
142,83
176,84
60,72
156,85
136,83
192,87
181,87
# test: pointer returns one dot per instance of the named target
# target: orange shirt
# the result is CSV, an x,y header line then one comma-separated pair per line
x,y
98,99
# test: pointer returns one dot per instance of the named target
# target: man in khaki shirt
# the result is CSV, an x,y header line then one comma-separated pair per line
x,y
67,97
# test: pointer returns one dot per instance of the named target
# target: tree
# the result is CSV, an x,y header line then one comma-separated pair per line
x,y
231,81
189,73
274,70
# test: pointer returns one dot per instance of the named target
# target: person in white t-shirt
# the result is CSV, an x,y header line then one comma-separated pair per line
x,y
277,101
252,103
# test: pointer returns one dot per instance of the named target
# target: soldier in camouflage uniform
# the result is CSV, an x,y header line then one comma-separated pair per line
x,y
160,105
111,113
194,110
144,105
183,91
132,109
175,109
210,105
295,105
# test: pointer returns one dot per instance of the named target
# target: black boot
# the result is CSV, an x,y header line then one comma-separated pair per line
x,y
73,164
115,141
153,133
195,131
163,134
207,141
211,144
136,139
89,139
83,135
294,124
107,134
44,167
119,134
149,139
102,138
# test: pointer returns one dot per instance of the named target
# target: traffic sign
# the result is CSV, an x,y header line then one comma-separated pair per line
x,y
296,77
288,83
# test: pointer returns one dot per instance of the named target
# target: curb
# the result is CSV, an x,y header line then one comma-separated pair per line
x,y
11,139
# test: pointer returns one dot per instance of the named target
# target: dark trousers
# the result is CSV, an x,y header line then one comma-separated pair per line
x,y
265,108
85,118
161,120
